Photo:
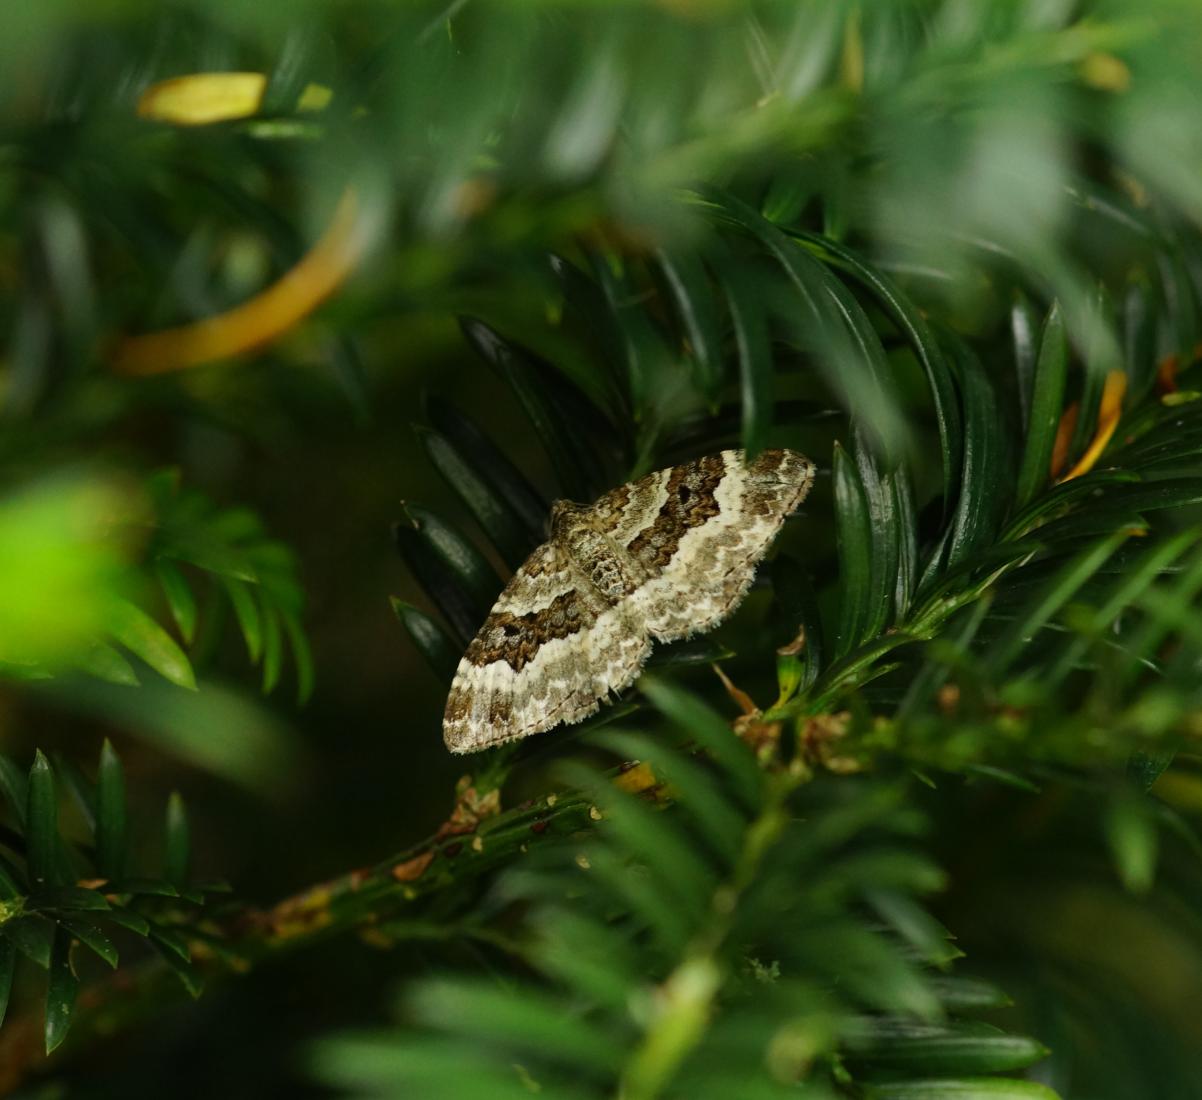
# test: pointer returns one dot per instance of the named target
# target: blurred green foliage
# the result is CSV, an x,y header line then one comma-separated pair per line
x,y
436,265
62,575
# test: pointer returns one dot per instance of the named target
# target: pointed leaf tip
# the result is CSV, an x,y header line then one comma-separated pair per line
x,y
110,813
178,840
41,823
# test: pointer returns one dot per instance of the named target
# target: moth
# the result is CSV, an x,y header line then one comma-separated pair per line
x,y
661,558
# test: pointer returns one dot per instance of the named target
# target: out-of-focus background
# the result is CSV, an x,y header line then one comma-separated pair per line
x,y
376,172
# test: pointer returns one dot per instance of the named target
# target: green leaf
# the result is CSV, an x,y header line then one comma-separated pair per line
x,y
178,594
697,309
32,935
143,637
935,1049
832,323
509,482
786,197
105,663
110,813
61,989
853,537
151,886
882,438
10,887
8,963
940,655
445,1069
696,651
647,364
432,642
701,724
1134,841
171,941
986,485
132,922
206,551
914,924
1004,776
907,542
1023,327
560,414
649,907
886,537
1101,355
1106,518
531,1022
1123,594
174,952
15,786
713,815
1144,768
41,825
1096,483
585,955
911,322
91,936
273,648
246,611
859,667
1181,293
237,525
1050,599
1047,404
797,618
976,1088
454,574
1139,316
585,309
178,841
69,898
754,353
968,994
652,840
1174,492
78,788
493,514
302,655
340,349
871,970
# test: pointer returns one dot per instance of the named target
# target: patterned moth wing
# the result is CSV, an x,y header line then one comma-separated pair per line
x,y
664,557
715,521
549,652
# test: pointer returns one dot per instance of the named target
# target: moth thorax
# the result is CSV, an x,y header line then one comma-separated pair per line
x,y
607,568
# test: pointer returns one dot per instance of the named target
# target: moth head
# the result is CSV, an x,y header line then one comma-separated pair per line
x,y
565,515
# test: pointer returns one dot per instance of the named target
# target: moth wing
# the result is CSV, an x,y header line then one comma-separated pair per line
x,y
718,519
549,652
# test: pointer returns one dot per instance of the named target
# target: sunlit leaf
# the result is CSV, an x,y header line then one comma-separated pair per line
x,y
179,597
143,637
